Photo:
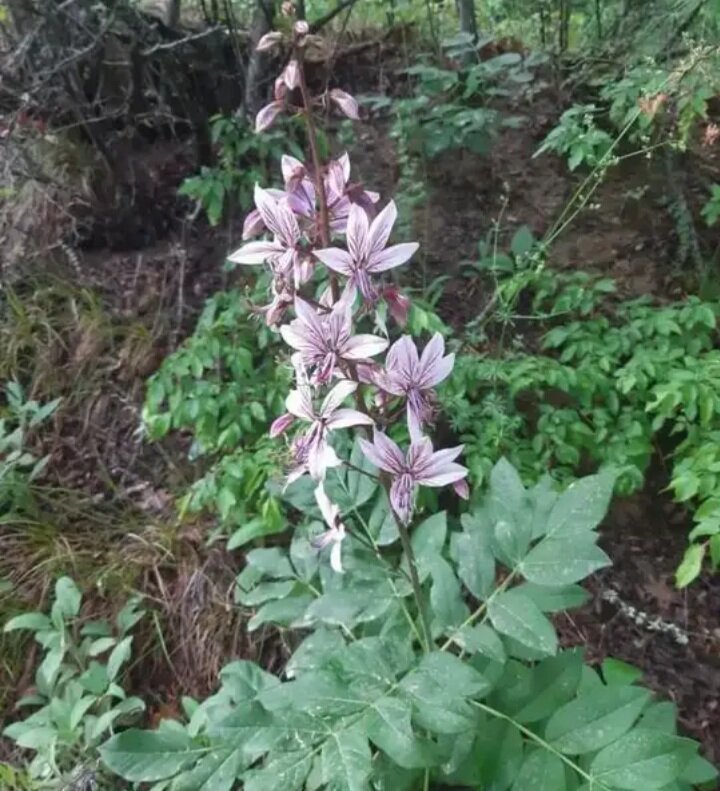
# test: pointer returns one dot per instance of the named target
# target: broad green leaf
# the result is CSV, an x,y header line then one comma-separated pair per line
x,y
271,562
282,612
691,565
619,673
699,771
346,760
288,771
314,651
427,541
244,681
541,771
551,599
582,506
34,621
67,597
265,591
661,716
304,556
509,503
514,614
472,553
360,486
563,560
388,728
594,720
498,754
381,523
440,687
446,600
482,639
217,771
119,655
145,756
338,608
554,681
643,759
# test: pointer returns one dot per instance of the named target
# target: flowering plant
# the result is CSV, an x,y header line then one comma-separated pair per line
x,y
427,655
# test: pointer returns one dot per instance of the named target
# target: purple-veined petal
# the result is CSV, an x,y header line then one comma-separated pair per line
x,y
336,396
346,417
330,512
360,347
335,181
347,104
390,257
433,367
298,403
320,457
402,497
402,360
442,474
281,424
303,269
414,422
269,41
255,253
337,259
294,335
357,233
344,161
384,453
381,228
266,117
291,75
253,225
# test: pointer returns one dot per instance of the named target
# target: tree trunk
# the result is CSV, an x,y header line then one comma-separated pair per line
x,y
172,13
257,63
468,22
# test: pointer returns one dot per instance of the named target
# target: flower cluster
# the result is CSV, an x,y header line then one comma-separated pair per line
x,y
326,244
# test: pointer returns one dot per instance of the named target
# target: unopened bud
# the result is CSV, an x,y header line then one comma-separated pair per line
x,y
301,28
287,8
269,41
346,104
291,75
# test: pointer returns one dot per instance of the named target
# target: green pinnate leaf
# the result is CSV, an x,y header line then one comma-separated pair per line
x,y
514,614
541,771
596,719
563,560
582,506
147,756
346,760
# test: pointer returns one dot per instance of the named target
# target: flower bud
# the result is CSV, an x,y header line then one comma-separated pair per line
x,y
253,225
266,117
301,28
398,304
346,104
291,75
287,8
269,41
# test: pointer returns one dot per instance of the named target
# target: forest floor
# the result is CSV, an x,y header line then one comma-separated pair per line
x,y
146,301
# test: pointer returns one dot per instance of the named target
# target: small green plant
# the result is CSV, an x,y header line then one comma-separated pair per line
x,y
221,386
241,164
578,137
711,210
18,466
78,697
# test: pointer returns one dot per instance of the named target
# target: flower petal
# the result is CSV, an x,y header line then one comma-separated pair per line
x,y
357,233
328,509
336,396
347,104
298,403
360,347
255,253
269,41
462,489
384,453
345,417
253,225
292,170
267,115
402,360
442,474
381,228
391,257
336,259
291,75
336,556
281,424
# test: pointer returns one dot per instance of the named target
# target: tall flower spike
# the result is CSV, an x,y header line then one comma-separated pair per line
x,y
420,467
324,342
312,452
335,534
412,376
367,253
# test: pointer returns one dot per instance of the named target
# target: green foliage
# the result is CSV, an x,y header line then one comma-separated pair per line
x,y
241,163
78,697
18,466
578,137
610,380
711,210
492,702
224,386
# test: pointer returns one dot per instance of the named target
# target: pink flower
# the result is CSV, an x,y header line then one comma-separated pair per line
x,y
341,195
367,254
398,304
420,467
346,104
291,75
335,534
412,376
311,450
284,253
325,341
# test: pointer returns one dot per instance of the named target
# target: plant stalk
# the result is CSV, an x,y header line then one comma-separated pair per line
x,y
415,582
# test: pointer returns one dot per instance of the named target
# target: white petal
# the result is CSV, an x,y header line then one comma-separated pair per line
x,y
344,418
255,253
336,396
336,259
298,403
336,557
359,347
381,227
